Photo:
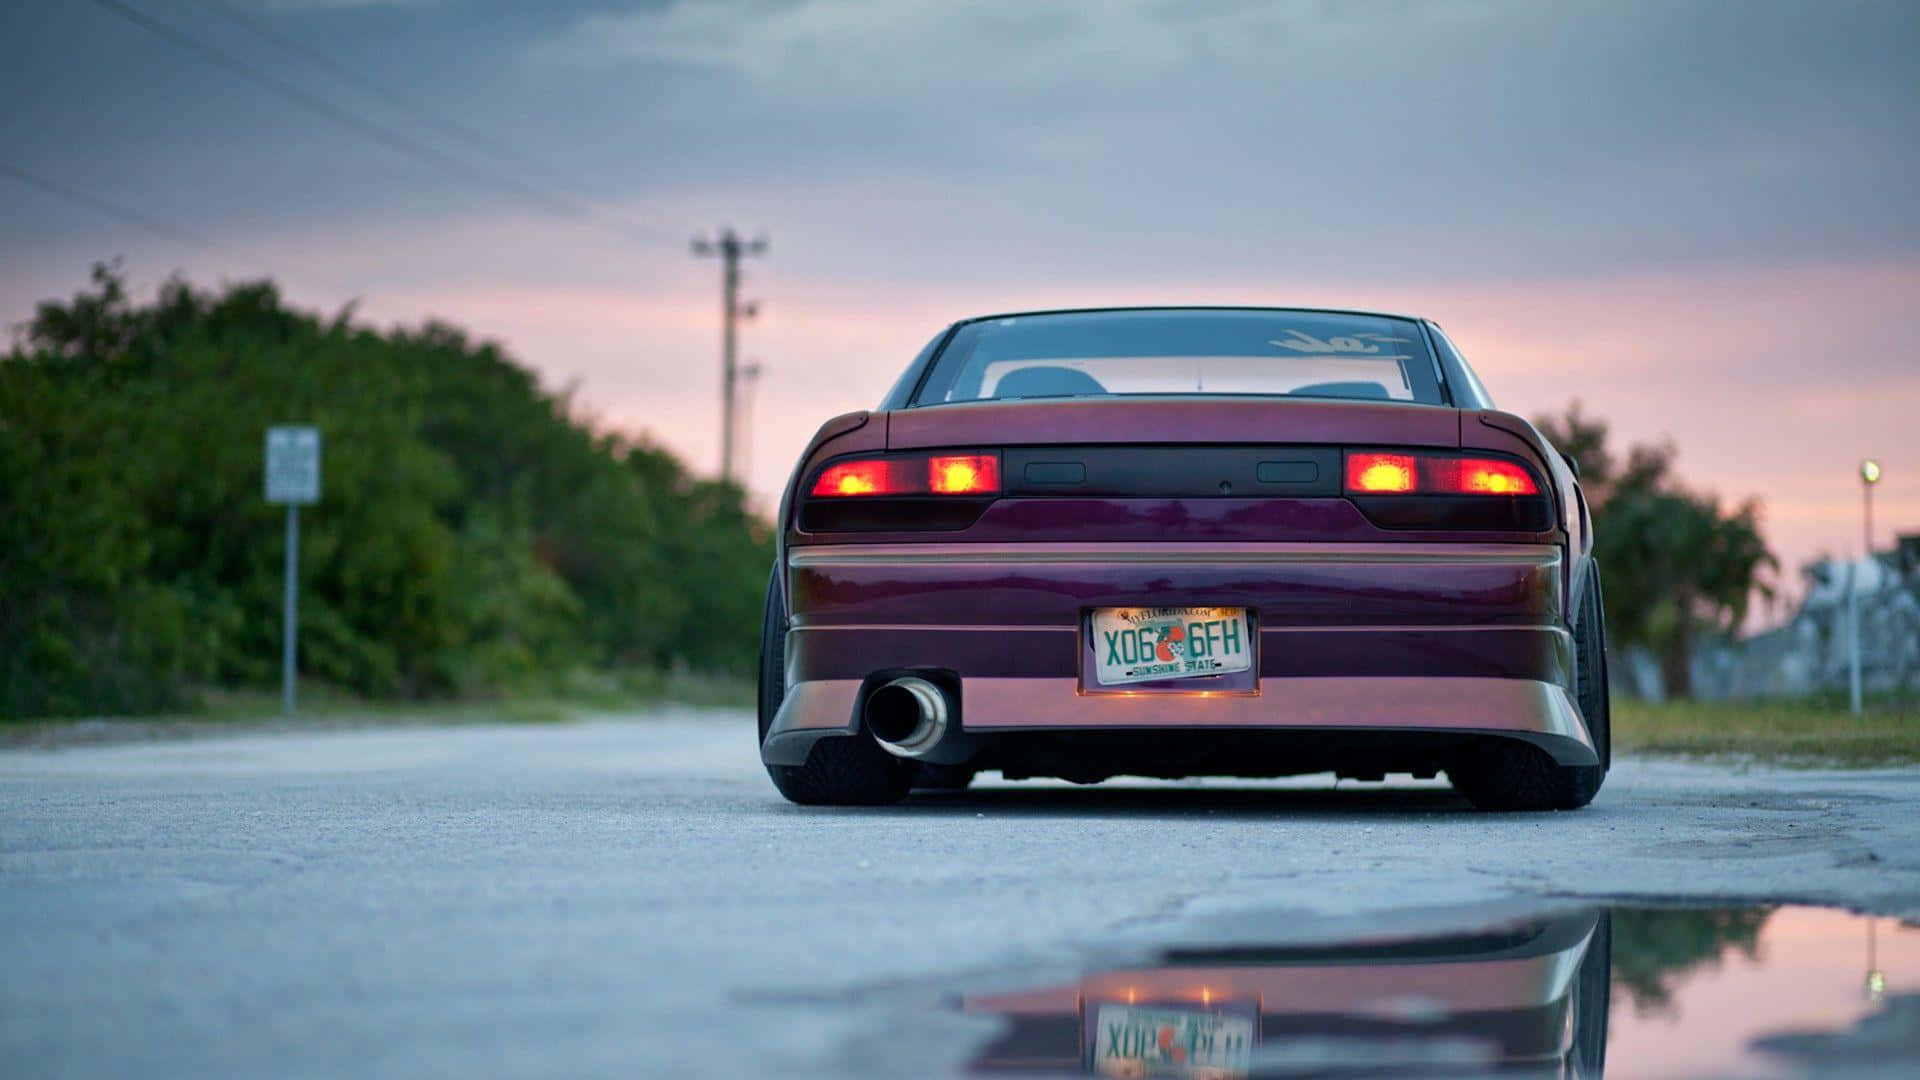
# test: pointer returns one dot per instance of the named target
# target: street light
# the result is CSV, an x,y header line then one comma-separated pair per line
x,y
1869,476
1876,979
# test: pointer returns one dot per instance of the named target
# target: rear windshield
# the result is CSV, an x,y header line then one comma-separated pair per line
x,y
1314,354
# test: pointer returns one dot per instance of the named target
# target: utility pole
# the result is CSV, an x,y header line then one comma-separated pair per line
x,y
730,248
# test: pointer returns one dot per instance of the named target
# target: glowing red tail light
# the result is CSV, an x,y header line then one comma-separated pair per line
x,y
1489,476
964,474
1374,472
1381,474
937,474
872,476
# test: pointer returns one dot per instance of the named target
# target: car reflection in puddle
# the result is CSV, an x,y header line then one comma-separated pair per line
x,y
1634,991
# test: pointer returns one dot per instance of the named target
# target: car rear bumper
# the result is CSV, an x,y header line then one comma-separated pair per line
x,y
1451,638
1537,712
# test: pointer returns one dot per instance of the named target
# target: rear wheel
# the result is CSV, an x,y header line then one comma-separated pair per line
x,y
838,771
944,777
1590,685
1508,774
1592,994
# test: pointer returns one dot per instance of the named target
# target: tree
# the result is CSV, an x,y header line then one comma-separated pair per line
x,y
1677,565
470,536
1655,948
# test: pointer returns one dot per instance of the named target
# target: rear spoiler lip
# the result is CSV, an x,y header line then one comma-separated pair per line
x,y
1171,420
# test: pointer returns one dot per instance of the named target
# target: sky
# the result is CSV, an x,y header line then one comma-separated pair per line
x,y
1699,219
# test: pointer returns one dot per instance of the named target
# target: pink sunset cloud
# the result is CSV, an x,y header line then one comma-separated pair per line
x,y
1772,381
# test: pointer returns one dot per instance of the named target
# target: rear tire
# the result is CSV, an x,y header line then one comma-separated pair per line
x,y
944,778
1591,681
839,771
1510,775
1592,1000
842,771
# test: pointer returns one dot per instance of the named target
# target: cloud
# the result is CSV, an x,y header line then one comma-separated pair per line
x,y
863,44
881,48
1489,137
288,7
1705,227
1773,380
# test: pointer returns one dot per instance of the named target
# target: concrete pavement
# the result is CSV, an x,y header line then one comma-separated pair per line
x,y
631,897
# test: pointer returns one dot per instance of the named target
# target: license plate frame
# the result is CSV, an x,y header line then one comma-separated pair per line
x,y
1116,670
1224,1034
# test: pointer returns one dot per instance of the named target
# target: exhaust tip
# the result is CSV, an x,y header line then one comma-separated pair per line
x,y
907,716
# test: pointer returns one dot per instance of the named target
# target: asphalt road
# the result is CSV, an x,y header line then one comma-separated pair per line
x,y
631,897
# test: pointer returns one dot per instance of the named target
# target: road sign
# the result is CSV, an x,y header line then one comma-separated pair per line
x,y
293,478
293,465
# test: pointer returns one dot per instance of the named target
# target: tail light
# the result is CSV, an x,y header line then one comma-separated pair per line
x,y
1489,476
1373,472
1398,489
902,493
964,474
910,474
1382,474
874,476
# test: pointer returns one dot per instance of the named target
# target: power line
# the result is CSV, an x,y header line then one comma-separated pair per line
x,y
450,128
127,216
377,132
345,73
113,210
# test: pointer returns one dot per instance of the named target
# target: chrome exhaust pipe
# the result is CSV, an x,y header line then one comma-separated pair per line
x,y
908,716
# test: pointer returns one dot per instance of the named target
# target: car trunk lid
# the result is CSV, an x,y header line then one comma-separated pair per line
x,y
1173,420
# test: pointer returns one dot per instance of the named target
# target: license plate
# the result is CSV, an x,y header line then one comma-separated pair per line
x,y
1143,644
1131,1040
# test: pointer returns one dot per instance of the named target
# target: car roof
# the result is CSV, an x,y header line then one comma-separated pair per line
x,y
1188,307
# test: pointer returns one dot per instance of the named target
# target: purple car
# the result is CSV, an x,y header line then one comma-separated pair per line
x,y
1175,542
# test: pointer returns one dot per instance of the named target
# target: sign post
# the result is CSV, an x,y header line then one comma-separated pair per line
x,y
293,478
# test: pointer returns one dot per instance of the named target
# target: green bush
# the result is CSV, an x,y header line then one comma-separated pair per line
x,y
470,535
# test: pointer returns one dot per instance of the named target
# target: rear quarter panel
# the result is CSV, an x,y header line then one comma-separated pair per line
x,y
1491,429
848,433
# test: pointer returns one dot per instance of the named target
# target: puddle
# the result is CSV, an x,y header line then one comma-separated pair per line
x,y
1569,990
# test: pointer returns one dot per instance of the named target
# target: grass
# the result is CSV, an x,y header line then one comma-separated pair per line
x,y
561,699
1794,733
1801,734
